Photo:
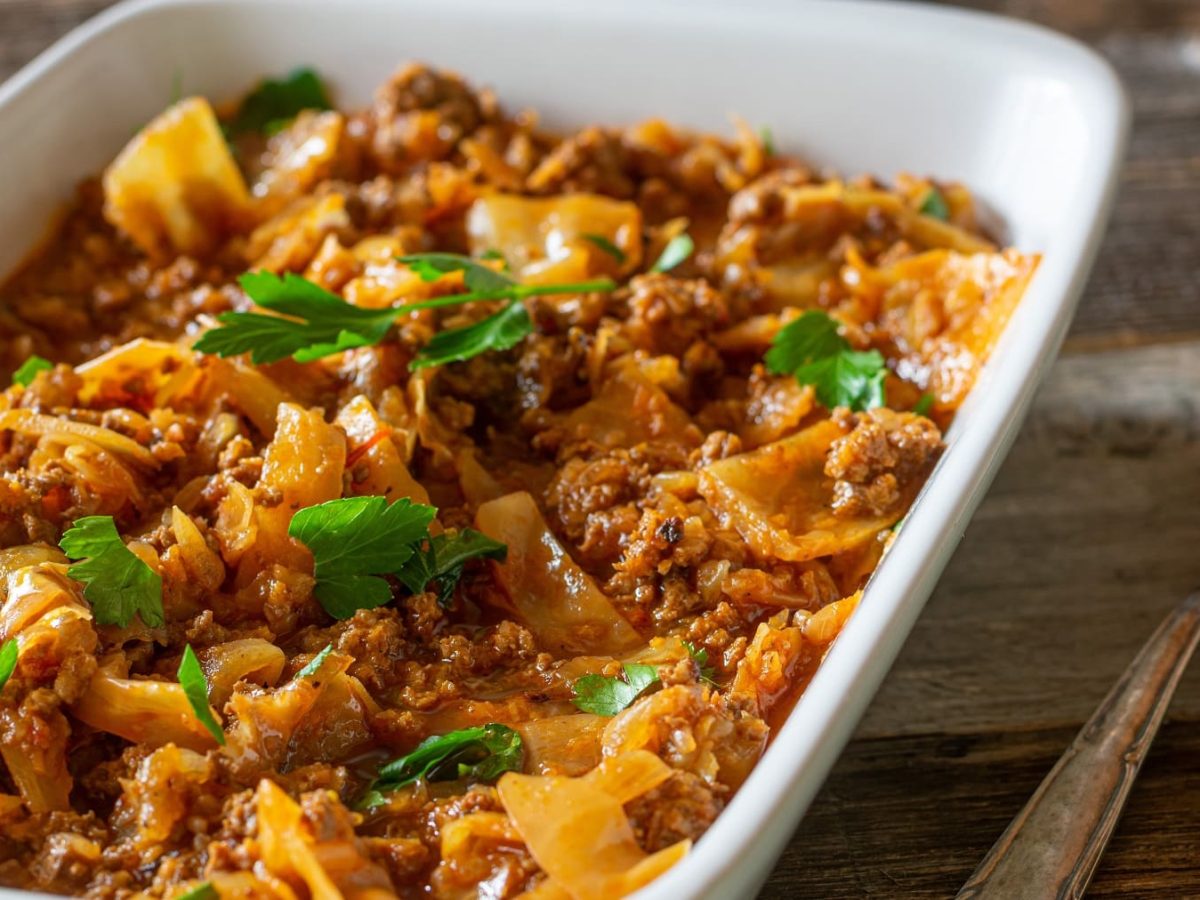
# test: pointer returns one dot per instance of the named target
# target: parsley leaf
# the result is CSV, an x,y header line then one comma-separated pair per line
x,y
313,323
318,322
607,246
499,331
28,370
677,250
811,349
8,660
605,695
314,664
934,205
767,139
482,753
203,891
700,655
495,254
809,337
440,562
924,404
476,276
353,541
195,686
850,378
271,105
116,581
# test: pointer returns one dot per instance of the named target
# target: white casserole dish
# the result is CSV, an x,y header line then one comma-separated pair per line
x,y
1031,121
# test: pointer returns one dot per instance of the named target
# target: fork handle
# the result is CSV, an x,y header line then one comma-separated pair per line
x,y
1051,849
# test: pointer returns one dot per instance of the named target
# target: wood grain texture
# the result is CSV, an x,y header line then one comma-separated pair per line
x,y
1090,534
911,817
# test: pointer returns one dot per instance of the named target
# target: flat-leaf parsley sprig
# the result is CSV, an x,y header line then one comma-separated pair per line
x,y
275,102
195,688
812,349
934,205
678,249
481,753
356,541
117,582
438,563
29,369
607,695
9,652
499,331
309,322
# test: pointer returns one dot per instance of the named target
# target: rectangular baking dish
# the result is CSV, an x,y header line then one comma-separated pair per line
x,y
1034,122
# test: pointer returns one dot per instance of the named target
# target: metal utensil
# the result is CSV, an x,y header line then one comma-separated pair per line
x,y
1051,849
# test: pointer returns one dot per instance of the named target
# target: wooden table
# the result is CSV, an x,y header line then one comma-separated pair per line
x,y
1091,532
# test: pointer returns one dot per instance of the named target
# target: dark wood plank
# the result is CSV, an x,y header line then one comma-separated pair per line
x,y
29,26
865,837
1087,538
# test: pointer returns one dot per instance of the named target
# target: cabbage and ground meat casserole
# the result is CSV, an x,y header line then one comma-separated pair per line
x,y
413,502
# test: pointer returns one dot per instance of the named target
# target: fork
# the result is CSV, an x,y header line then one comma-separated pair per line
x,y
1051,849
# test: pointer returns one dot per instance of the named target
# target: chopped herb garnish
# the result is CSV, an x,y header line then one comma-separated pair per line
x,y
354,541
438,565
496,256
606,695
811,349
607,246
274,103
499,331
934,205
476,276
313,322
482,753
315,663
8,660
767,139
700,655
195,686
924,404
28,370
117,582
677,250
202,891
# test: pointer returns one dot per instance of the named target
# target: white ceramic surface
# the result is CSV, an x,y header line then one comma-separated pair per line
x,y
1035,123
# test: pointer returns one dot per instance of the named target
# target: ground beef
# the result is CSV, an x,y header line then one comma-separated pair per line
x,y
668,315
883,456
591,498
681,808
421,114
592,160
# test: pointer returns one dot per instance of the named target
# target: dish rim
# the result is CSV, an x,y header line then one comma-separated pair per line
x,y
805,747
